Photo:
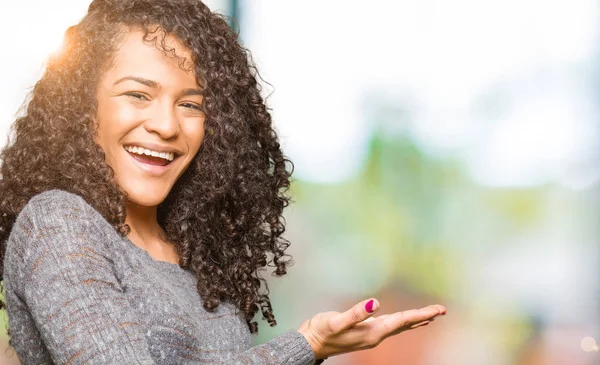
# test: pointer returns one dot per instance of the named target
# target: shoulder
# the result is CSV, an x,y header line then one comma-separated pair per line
x,y
52,228
56,206
53,223
54,211
55,201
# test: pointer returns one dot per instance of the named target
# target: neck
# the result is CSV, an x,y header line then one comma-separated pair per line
x,y
143,222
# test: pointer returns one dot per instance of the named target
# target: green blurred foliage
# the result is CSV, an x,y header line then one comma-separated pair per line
x,y
391,212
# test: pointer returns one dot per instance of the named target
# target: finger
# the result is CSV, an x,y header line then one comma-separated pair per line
x,y
354,315
411,317
421,324
441,308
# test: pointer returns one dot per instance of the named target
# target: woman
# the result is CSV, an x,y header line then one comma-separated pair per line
x,y
142,193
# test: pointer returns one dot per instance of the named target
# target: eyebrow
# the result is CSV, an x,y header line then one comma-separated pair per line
x,y
141,80
155,84
190,92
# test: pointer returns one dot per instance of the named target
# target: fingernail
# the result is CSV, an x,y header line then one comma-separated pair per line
x,y
369,306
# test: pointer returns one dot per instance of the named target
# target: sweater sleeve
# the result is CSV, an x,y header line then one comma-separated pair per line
x,y
60,281
290,348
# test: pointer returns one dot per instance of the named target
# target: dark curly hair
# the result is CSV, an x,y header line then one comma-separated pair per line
x,y
224,214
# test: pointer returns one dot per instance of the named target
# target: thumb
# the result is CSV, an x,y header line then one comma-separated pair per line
x,y
354,315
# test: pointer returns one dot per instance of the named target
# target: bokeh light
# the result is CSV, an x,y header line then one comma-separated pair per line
x,y
588,344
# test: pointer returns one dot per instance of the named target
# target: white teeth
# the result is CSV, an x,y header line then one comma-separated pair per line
x,y
143,151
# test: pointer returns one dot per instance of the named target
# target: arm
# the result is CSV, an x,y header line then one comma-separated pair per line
x,y
61,282
59,272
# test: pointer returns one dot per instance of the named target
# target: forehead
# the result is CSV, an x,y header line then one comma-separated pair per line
x,y
154,54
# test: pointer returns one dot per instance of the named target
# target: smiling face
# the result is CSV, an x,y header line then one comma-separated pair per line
x,y
150,123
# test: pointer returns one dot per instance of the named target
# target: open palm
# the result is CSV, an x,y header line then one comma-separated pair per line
x,y
334,333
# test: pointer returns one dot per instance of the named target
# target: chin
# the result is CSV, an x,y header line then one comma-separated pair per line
x,y
147,196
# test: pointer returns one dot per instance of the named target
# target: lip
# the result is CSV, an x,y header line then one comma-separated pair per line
x,y
154,147
154,170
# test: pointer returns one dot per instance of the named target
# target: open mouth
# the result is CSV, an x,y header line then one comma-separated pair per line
x,y
157,161
150,157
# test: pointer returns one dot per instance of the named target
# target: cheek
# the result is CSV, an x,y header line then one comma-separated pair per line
x,y
114,120
194,133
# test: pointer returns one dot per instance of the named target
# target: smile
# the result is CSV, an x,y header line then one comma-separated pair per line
x,y
153,163
169,156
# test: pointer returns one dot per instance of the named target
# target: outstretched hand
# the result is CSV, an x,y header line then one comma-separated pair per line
x,y
334,333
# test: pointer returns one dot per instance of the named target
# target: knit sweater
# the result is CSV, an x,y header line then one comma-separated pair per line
x,y
77,292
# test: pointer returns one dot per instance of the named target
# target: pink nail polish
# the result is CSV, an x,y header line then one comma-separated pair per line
x,y
369,306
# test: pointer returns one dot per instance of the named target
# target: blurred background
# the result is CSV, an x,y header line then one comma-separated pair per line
x,y
445,152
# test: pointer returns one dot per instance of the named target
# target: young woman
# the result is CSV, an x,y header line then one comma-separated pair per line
x,y
142,191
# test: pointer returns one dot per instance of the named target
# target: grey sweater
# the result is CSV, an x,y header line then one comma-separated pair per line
x,y
79,293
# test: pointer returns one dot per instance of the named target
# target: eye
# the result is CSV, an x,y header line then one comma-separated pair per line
x,y
137,95
192,106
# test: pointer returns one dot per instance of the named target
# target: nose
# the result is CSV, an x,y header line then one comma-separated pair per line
x,y
163,121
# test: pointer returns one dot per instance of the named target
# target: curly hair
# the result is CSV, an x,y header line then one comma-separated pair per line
x,y
224,214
